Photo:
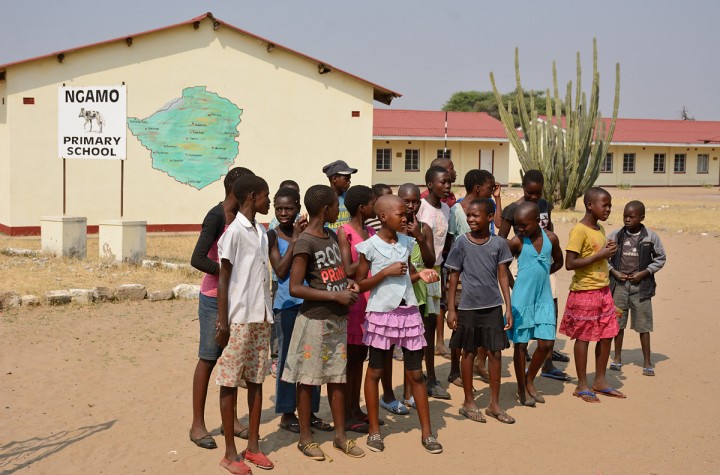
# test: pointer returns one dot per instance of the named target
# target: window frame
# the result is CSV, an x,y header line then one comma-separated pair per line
x,y
684,163
627,169
707,164
664,163
608,160
408,155
441,153
383,158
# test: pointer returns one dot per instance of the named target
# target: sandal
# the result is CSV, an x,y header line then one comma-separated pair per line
x,y
396,407
483,374
615,366
319,424
587,396
472,414
610,392
648,371
290,426
259,459
501,416
242,434
350,449
204,442
409,402
236,467
359,427
312,451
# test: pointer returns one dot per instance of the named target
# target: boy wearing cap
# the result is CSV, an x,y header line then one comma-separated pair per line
x,y
338,172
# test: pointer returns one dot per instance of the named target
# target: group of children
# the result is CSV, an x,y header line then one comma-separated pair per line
x,y
364,291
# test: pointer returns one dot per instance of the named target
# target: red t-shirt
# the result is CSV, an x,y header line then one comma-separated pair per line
x,y
450,200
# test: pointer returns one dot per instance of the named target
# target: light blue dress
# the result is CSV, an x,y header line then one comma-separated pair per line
x,y
533,308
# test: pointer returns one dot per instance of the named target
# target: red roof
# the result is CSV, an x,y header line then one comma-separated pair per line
x,y
431,124
381,94
652,131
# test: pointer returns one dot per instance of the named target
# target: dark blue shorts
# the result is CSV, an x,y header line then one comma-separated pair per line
x,y
207,315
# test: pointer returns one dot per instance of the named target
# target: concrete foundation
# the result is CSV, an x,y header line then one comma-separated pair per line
x,y
64,236
122,240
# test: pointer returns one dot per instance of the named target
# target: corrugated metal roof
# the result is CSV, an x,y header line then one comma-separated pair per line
x,y
431,124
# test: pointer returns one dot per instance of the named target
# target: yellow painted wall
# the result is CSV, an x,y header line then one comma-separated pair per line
x,y
465,156
4,157
644,159
294,121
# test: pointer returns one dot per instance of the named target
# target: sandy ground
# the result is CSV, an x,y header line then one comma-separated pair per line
x,y
106,390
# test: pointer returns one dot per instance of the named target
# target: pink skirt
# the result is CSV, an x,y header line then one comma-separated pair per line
x,y
402,327
356,319
590,315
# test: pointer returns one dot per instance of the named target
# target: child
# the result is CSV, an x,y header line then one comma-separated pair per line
x,y
479,258
392,315
632,278
436,214
205,259
422,257
317,354
590,311
533,183
281,242
478,184
378,190
244,319
533,309
339,174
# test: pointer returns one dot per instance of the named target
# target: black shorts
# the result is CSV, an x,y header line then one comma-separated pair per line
x,y
412,359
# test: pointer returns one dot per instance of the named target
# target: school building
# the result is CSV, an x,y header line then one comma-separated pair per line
x,y
648,152
406,141
202,96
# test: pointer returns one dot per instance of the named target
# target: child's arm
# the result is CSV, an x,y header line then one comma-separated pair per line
x,y
659,257
451,313
222,326
556,252
498,206
504,228
426,275
515,245
344,244
281,264
503,273
366,283
297,289
574,261
211,228
424,239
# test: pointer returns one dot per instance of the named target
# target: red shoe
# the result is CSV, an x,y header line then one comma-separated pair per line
x,y
259,459
236,467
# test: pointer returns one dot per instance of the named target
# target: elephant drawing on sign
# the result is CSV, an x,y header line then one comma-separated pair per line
x,y
89,116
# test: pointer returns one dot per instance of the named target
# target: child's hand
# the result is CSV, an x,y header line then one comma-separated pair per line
x,y
396,269
429,276
353,286
618,275
346,297
299,226
222,335
414,230
496,190
609,249
508,320
636,277
451,318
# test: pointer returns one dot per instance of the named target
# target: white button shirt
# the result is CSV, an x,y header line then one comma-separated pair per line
x,y
245,246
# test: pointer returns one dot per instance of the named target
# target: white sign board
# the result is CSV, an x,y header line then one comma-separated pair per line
x,y
92,122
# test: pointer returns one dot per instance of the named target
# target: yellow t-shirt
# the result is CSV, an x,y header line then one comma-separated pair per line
x,y
586,242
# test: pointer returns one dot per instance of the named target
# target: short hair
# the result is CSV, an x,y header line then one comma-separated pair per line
x,y
233,175
289,184
439,161
434,171
407,187
379,189
476,177
247,184
636,205
533,176
317,197
527,207
593,193
357,196
288,192
487,205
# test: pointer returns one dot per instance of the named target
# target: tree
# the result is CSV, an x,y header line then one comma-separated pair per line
x,y
570,142
485,101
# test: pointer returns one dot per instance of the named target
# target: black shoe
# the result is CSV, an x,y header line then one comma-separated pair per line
x,y
204,442
557,356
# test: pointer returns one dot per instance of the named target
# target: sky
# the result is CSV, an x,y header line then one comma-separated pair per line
x,y
668,51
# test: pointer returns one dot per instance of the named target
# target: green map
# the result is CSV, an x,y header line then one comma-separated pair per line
x,y
192,138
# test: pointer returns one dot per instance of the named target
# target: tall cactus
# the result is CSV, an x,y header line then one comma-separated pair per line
x,y
569,145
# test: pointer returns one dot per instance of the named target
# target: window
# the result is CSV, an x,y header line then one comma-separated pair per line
x,y
703,163
679,166
606,166
629,163
659,163
383,159
412,160
442,153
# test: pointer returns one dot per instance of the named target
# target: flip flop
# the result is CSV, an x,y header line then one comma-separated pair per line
x,y
648,371
556,374
472,414
557,356
610,392
320,425
501,416
204,442
366,419
293,426
242,434
457,381
615,366
587,396
360,427
410,402
236,467
483,374
396,407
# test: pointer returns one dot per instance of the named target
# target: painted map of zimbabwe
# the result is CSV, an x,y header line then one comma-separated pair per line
x,y
192,138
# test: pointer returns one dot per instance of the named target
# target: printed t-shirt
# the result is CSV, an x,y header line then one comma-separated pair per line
x,y
343,215
324,271
438,220
478,264
245,246
585,242
629,257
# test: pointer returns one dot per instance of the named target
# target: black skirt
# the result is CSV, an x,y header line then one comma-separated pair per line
x,y
480,328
